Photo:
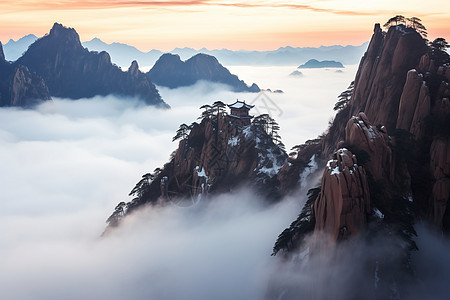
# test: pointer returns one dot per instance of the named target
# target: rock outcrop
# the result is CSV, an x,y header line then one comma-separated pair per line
x,y
71,71
382,73
218,155
19,86
395,132
344,202
172,72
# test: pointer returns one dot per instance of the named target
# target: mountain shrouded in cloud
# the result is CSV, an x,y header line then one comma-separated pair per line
x,y
172,72
71,71
389,169
224,152
384,163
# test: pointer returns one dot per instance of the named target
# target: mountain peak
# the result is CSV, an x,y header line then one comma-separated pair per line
x,y
65,34
134,69
202,58
171,56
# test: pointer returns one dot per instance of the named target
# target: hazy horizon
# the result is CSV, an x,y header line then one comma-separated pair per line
x,y
187,47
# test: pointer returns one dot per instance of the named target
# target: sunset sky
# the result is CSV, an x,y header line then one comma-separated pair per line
x,y
215,24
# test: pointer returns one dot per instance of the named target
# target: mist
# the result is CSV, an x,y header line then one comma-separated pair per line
x,y
66,164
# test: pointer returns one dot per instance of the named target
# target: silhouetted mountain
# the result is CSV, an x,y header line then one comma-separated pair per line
x,y
15,49
314,64
19,86
71,71
172,72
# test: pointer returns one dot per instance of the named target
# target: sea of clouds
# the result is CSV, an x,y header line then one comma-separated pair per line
x,y
66,164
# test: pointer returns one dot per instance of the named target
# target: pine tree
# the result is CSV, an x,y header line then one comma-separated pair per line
x,y
397,20
207,113
142,185
415,23
219,108
271,127
439,51
118,213
182,132
345,97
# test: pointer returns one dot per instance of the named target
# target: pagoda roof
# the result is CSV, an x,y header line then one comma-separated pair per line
x,y
240,104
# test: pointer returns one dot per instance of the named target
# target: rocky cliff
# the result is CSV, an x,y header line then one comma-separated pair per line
x,y
217,155
19,86
401,90
172,72
71,71
387,151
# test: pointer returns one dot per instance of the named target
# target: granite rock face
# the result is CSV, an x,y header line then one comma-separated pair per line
x,y
344,201
382,73
395,131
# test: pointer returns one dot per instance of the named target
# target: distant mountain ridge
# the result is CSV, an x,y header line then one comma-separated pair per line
x,y
172,72
315,64
123,54
15,49
282,56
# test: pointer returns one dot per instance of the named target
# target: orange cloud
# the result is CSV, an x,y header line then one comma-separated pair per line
x,y
70,4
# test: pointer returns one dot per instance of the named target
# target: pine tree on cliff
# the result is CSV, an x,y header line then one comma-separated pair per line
x,y
293,236
140,187
219,108
394,21
207,113
118,213
182,132
439,51
344,97
415,23
271,127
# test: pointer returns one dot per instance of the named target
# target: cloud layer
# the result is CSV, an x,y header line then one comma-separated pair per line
x,y
66,165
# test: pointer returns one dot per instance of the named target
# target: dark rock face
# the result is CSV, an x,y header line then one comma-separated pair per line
x,y
19,86
315,64
71,71
172,72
